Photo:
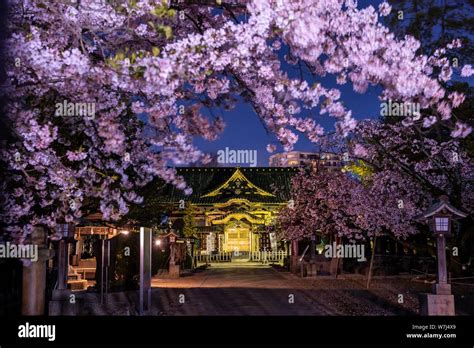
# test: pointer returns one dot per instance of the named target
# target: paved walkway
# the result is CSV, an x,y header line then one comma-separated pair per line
x,y
255,289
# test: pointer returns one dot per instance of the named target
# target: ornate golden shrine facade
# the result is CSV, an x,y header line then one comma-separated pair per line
x,y
230,208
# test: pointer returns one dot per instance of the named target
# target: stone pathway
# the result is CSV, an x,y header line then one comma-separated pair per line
x,y
255,289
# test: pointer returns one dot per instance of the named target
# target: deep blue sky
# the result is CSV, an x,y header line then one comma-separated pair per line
x,y
245,131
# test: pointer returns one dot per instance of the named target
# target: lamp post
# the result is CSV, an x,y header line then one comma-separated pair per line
x,y
439,218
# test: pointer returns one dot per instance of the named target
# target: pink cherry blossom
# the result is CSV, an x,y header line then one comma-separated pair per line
x,y
152,80
467,70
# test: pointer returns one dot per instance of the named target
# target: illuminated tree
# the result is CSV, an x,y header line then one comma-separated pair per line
x,y
146,71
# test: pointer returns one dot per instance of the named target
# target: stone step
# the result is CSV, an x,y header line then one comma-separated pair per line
x,y
78,284
72,276
85,272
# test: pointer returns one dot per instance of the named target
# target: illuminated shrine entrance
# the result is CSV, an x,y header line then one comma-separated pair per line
x,y
237,239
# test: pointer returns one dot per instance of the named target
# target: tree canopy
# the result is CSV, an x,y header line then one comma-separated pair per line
x,y
106,95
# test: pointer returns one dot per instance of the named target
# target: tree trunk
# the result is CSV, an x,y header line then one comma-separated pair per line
x,y
369,275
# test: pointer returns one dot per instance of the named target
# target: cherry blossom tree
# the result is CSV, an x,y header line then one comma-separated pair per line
x,y
148,69
393,175
336,204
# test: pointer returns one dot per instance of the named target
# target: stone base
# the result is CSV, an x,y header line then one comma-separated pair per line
x,y
433,304
442,289
174,271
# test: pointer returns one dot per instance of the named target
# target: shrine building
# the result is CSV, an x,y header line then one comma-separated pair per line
x,y
232,207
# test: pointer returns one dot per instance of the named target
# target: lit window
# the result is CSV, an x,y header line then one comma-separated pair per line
x,y
442,224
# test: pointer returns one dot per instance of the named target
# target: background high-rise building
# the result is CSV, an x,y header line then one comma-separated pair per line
x,y
327,160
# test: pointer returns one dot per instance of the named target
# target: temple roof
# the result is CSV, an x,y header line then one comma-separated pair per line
x,y
220,184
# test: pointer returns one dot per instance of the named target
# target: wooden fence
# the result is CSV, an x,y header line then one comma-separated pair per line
x,y
268,256
254,256
219,257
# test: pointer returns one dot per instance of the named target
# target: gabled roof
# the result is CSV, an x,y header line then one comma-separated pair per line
x,y
220,184
442,205
238,183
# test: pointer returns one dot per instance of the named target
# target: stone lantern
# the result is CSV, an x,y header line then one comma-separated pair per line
x,y
439,218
